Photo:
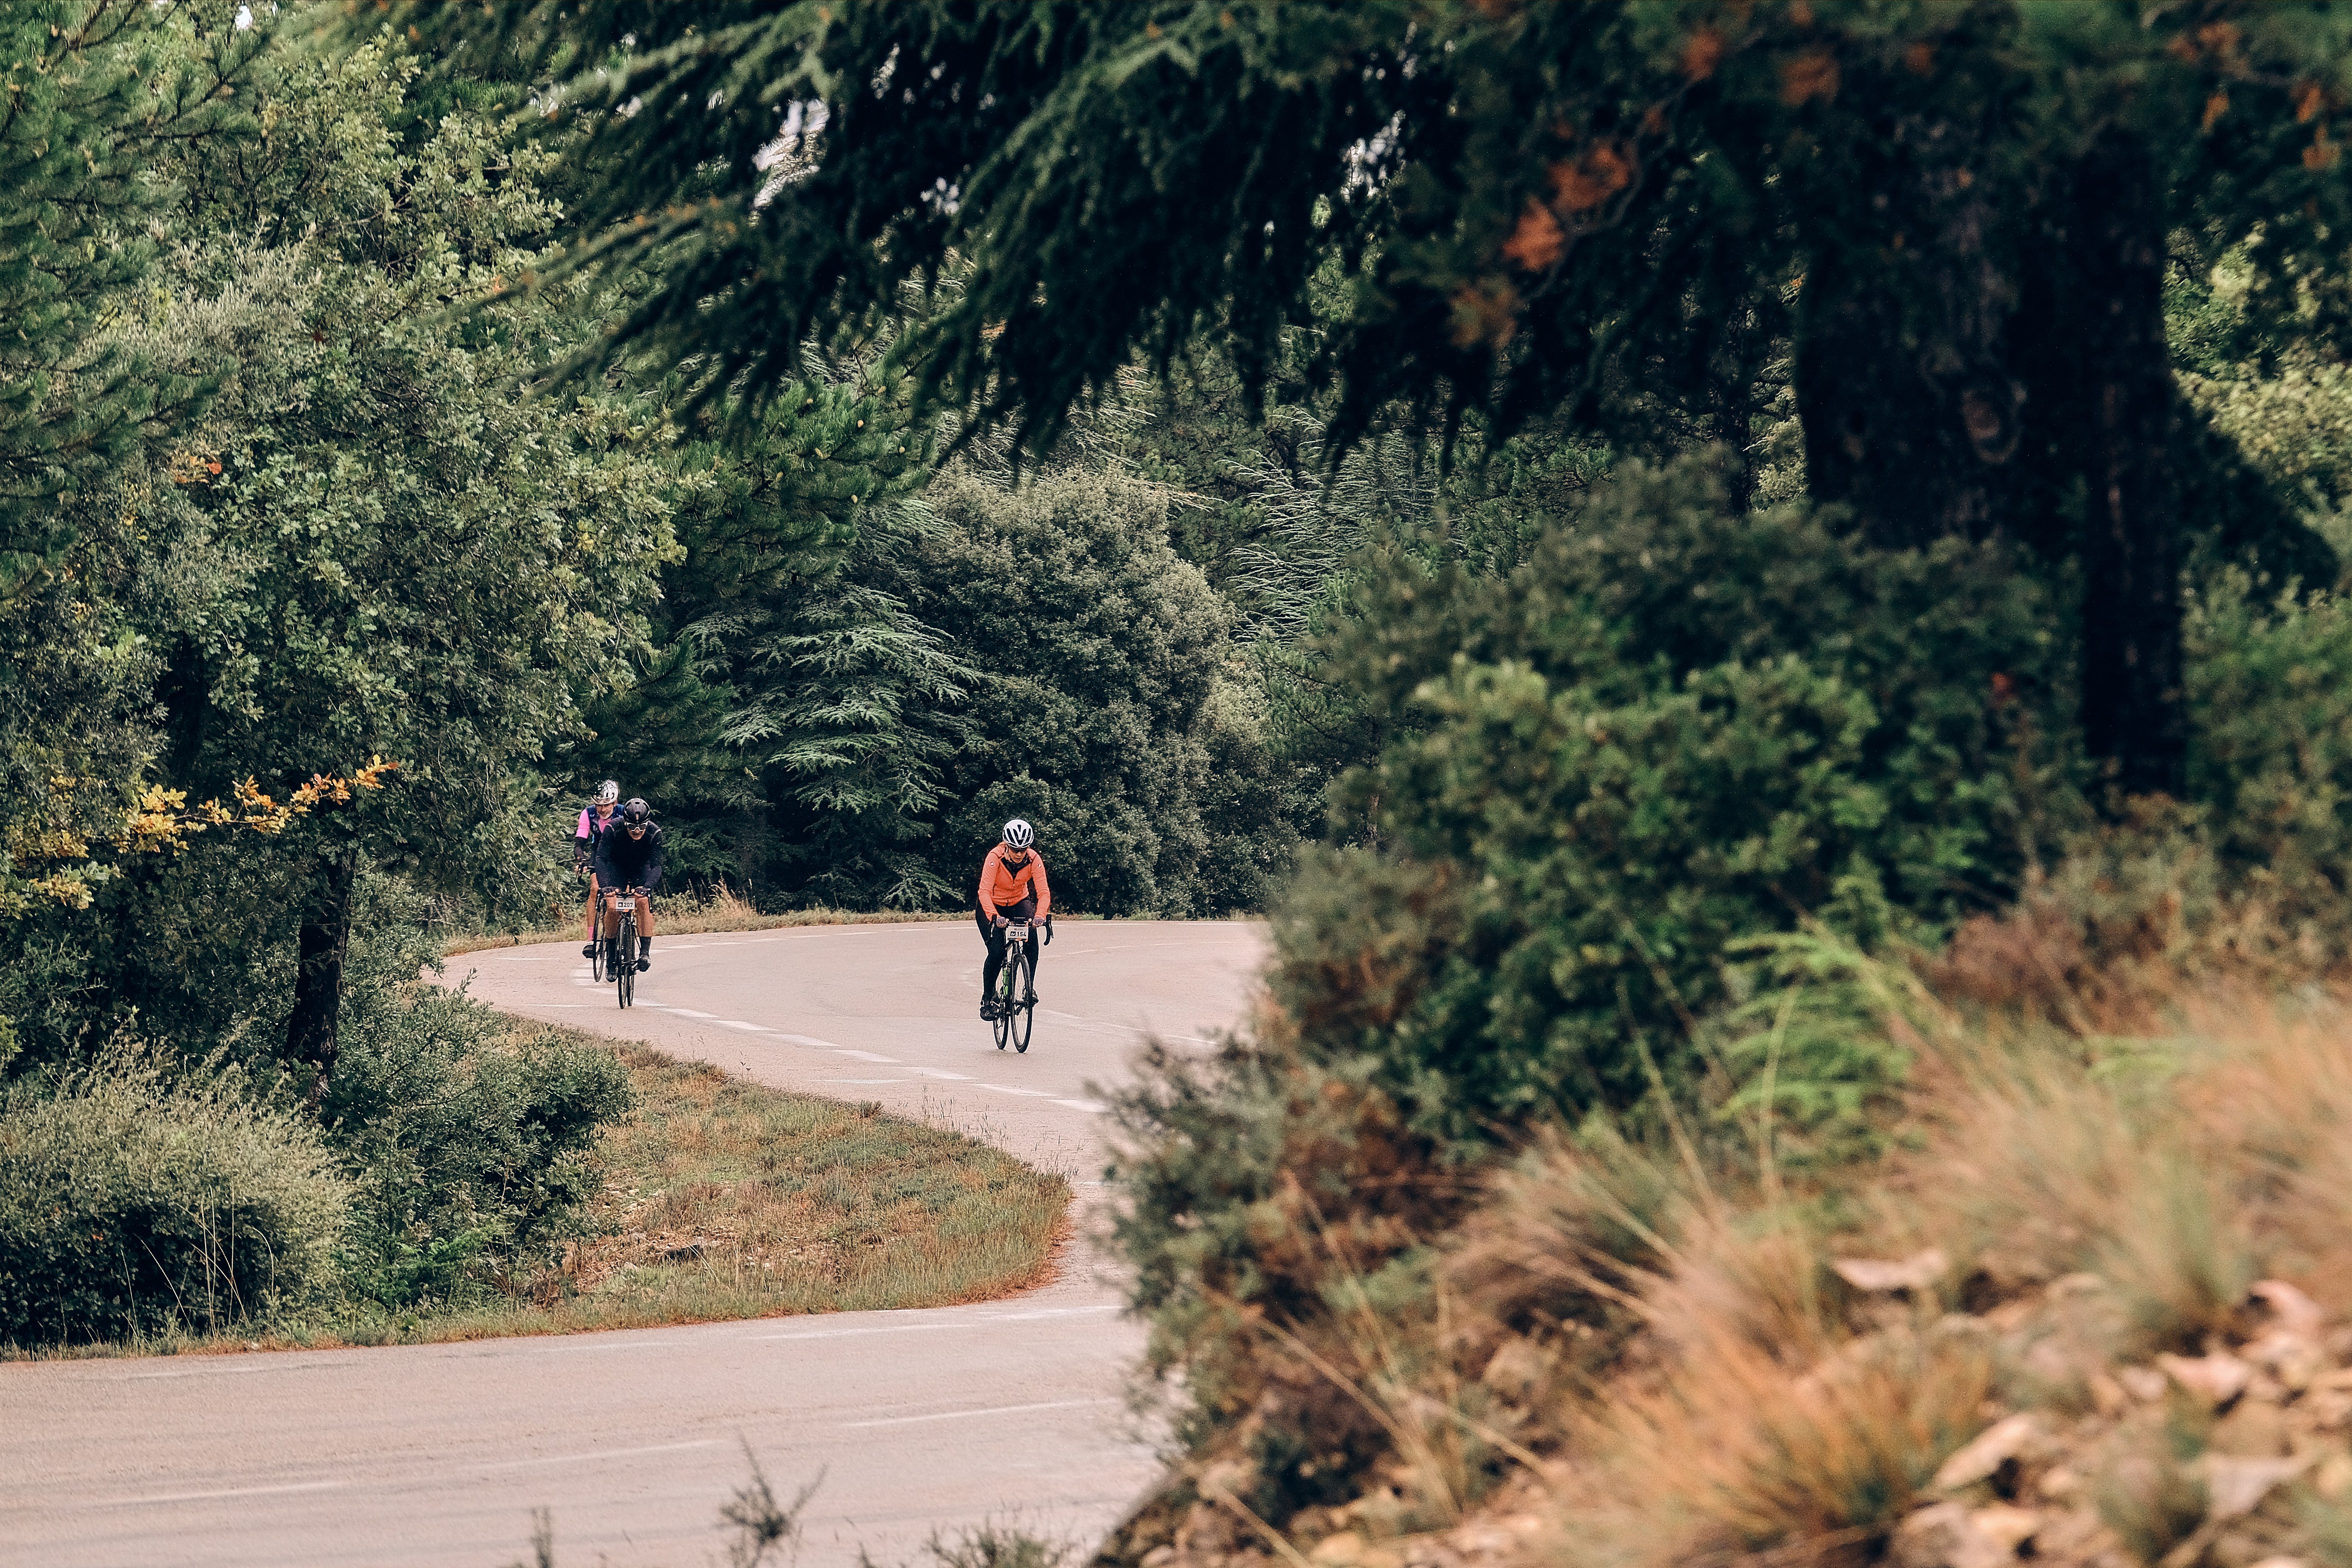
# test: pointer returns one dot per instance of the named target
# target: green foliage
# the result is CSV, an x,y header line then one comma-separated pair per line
x,y
1618,763
372,543
408,557
468,1140
1258,1179
2271,683
791,696
1096,651
135,1199
96,94
1808,1049
1599,213
96,89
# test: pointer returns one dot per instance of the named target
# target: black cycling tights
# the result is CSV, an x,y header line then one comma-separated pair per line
x,y
1023,910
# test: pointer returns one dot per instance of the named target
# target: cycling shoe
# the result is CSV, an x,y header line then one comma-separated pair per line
x,y
589,951
987,1011
644,964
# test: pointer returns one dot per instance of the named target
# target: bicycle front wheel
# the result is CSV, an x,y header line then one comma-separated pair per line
x,y
624,961
1027,1017
1003,1024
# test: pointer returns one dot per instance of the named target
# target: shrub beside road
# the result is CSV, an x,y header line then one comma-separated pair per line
x,y
677,1193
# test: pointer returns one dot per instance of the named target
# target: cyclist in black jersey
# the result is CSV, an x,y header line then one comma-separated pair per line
x,y
629,856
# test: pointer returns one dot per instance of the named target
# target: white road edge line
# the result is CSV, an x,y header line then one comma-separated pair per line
x,y
972,1322
994,1410
600,1454
209,1497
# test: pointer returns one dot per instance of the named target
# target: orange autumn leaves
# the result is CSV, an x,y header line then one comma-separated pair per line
x,y
1582,185
2218,47
1579,185
1487,311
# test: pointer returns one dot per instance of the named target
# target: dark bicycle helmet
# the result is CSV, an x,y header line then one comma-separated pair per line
x,y
1019,834
637,814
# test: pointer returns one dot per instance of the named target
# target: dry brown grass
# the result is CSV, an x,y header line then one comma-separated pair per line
x,y
1737,1451
2122,1191
2128,1101
727,1199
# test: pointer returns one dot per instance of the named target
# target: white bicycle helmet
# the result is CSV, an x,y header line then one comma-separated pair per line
x,y
607,792
1019,834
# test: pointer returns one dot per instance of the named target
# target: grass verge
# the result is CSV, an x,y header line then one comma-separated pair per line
x,y
725,1199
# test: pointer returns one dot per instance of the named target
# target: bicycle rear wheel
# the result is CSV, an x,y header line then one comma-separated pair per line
x,y
1027,1016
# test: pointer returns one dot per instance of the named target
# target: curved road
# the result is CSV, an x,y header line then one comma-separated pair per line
x,y
916,1420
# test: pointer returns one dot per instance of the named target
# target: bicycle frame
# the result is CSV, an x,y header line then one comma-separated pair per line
x,y
1015,1017
619,927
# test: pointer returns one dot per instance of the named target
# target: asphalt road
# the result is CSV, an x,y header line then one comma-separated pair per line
x,y
914,1421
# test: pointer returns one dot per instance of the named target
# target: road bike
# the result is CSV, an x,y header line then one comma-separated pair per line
x,y
620,952
1016,987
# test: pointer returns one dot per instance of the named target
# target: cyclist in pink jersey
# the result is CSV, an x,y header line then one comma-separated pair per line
x,y
596,816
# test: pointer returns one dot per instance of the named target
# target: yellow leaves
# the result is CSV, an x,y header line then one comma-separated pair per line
x,y
2322,153
2215,106
1811,74
1537,241
1919,59
2309,99
72,891
163,819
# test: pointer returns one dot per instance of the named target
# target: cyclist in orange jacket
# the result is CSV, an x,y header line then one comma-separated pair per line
x,y
1011,888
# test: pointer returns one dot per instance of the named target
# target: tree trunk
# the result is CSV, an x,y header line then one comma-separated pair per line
x,y
1912,411
326,930
2133,719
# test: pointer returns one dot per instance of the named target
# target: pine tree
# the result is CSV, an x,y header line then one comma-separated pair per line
x,y
1953,215
794,720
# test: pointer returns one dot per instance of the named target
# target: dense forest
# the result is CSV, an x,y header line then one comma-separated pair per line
x,y
1602,522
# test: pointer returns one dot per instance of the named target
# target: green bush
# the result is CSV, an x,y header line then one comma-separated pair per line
x,y
1674,728
134,1202
2270,690
468,1141
1097,651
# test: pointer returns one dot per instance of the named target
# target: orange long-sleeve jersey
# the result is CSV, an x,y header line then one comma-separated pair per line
x,y
1003,884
